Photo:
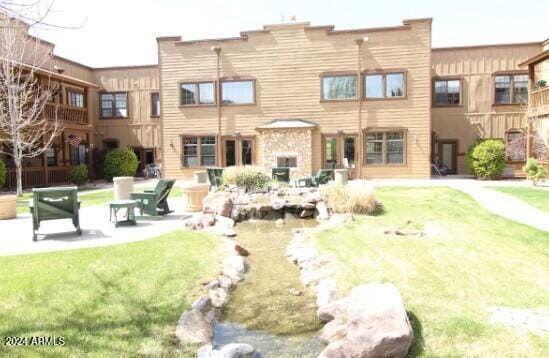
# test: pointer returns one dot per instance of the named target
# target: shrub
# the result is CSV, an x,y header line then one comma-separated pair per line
x,y
3,173
120,163
468,157
79,175
250,178
534,170
356,197
487,159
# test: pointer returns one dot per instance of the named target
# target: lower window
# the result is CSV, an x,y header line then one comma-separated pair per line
x,y
385,147
198,151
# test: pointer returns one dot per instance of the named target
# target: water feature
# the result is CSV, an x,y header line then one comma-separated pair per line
x,y
271,310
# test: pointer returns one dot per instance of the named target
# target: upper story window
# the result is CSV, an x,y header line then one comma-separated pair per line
x,y
447,92
113,105
75,98
511,89
339,87
384,85
238,92
155,104
197,93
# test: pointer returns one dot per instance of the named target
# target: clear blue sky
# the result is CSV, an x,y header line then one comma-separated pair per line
x,y
123,32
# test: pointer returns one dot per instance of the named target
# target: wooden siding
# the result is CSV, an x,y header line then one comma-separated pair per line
x,y
140,129
286,62
477,117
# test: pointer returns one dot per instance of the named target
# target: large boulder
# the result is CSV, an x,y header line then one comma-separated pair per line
x,y
375,324
236,350
193,327
214,200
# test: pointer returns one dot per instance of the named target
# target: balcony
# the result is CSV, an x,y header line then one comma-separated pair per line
x,y
539,99
67,114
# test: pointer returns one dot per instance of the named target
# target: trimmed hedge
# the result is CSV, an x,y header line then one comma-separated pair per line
x,y
79,175
250,178
487,159
120,163
3,173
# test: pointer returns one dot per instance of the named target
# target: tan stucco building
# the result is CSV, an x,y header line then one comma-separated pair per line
x,y
380,100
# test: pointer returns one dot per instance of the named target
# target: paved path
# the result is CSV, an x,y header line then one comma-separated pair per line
x,y
494,201
16,234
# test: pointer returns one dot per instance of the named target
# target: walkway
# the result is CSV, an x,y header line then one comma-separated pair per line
x,y
499,203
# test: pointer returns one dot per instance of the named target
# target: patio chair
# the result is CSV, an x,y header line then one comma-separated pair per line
x,y
281,174
154,202
54,204
215,176
321,177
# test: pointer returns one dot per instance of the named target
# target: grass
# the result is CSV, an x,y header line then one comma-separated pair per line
x,y
538,198
121,300
448,281
87,199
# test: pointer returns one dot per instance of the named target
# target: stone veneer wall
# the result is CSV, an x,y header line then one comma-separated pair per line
x,y
289,142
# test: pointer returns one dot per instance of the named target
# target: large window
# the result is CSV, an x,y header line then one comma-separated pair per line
x,y
51,156
510,89
197,93
238,92
75,98
113,105
384,85
447,92
198,151
385,147
339,87
155,104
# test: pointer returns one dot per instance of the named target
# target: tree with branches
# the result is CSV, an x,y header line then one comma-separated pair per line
x,y
25,87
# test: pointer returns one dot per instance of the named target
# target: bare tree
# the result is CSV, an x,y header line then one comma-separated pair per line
x,y
25,88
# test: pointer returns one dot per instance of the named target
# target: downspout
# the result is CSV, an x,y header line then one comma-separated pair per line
x,y
217,51
359,108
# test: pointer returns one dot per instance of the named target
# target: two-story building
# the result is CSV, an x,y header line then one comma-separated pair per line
x,y
381,101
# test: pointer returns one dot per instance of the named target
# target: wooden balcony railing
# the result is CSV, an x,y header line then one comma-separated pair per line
x,y
36,177
66,113
539,100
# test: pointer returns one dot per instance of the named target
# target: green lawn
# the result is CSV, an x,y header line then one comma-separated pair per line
x,y
87,199
115,301
448,281
538,198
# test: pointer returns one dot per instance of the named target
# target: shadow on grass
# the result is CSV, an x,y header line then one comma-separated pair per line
x,y
417,347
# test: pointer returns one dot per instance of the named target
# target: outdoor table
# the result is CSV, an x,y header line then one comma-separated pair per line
x,y
116,205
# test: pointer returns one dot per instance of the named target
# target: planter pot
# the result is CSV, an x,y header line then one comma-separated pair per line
x,y
8,207
123,186
193,196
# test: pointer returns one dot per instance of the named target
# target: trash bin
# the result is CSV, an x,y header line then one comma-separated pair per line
x,y
8,206
193,195
341,176
200,177
123,186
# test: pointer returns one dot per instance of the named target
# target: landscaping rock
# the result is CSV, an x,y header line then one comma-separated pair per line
x,y
207,220
212,284
308,206
376,324
325,292
237,262
278,204
229,232
202,304
241,251
225,209
322,209
332,331
330,311
295,292
306,214
214,200
226,283
193,327
237,350
224,221
219,297
205,351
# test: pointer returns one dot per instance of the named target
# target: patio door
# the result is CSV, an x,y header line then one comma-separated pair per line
x,y
340,149
447,151
237,151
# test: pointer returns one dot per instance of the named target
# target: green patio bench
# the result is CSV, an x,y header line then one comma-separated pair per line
x,y
215,176
322,176
54,204
154,202
281,174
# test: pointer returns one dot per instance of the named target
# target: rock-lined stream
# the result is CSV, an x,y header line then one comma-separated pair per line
x,y
271,310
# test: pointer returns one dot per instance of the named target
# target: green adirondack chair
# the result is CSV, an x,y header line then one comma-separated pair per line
x,y
54,204
154,202
215,176
322,176
281,174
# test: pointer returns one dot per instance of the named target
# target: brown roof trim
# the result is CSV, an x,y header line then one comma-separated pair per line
x,y
535,59
64,78
57,57
428,20
369,29
483,46
124,67
168,38
221,39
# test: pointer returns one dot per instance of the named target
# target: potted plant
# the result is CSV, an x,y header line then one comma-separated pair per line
x,y
8,203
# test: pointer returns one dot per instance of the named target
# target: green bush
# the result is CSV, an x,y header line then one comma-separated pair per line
x,y
487,159
468,157
249,178
3,173
120,163
356,197
79,175
534,170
